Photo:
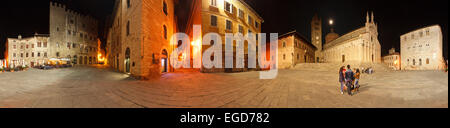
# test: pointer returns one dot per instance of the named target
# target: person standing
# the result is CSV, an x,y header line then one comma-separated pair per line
x,y
342,78
349,77
357,77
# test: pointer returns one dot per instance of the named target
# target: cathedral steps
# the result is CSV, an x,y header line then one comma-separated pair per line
x,y
336,66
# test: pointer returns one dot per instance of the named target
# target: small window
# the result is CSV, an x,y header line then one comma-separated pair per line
x,y
32,54
14,54
213,20
165,8
128,3
45,44
228,7
165,31
284,44
256,24
128,28
284,56
229,25
250,20
45,54
241,29
14,46
213,3
428,61
241,14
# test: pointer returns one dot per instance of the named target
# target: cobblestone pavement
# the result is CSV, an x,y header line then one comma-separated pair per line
x,y
98,87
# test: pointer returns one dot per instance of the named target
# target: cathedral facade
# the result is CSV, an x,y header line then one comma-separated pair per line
x,y
360,46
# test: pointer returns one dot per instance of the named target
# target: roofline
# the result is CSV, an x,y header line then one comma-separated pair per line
x,y
251,9
429,26
299,35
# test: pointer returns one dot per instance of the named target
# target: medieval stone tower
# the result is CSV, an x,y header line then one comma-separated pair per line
x,y
316,36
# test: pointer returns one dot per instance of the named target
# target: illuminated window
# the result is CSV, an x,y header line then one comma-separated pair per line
x,y
428,61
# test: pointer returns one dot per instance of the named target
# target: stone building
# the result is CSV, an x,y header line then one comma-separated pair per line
x,y
360,46
229,16
73,36
139,37
316,37
392,59
421,49
30,51
294,49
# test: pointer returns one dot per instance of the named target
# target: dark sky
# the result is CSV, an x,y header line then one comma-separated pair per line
x,y
394,17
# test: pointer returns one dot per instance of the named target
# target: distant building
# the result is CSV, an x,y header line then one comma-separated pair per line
x,y
30,51
316,37
72,40
294,49
421,49
139,37
393,59
73,36
360,46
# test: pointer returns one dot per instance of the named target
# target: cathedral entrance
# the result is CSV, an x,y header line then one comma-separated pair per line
x,y
164,62
127,60
343,58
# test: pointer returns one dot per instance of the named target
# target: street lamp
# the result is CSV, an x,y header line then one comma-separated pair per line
x,y
331,22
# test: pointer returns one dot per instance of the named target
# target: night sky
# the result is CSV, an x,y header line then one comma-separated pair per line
x,y
394,17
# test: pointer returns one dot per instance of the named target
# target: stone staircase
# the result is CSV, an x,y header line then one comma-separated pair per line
x,y
336,66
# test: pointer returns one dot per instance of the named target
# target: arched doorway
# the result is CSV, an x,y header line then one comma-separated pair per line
x,y
127,60
164,61
343,58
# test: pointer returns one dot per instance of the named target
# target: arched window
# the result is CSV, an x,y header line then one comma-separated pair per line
x,y
428,61
165,8
284,56
284,44
414,61
165,31
128,28
420,62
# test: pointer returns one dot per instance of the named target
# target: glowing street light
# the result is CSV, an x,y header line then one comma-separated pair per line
x,y
331,22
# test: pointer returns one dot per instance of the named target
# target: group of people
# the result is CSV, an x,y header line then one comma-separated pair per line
x,y
349,80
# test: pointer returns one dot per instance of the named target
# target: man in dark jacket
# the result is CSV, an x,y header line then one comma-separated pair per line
x,y
349,77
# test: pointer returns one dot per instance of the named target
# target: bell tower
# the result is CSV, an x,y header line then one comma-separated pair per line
x,y
316,37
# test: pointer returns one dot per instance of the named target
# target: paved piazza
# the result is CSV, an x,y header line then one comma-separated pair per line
x,y
98,87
